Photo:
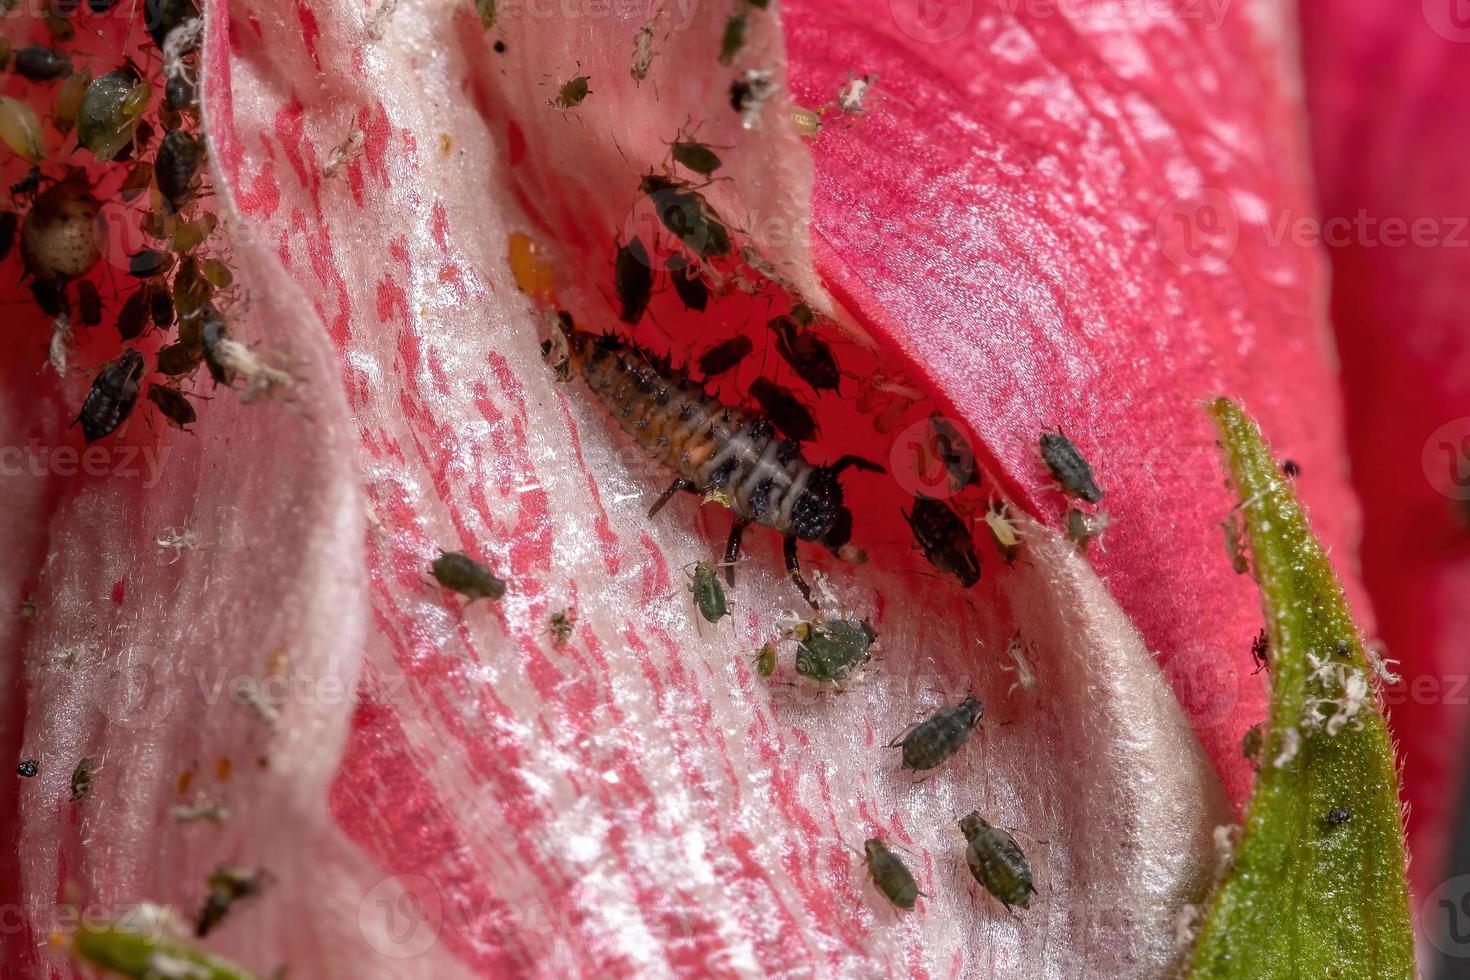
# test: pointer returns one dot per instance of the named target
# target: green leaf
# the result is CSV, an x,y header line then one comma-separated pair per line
x,y
1306,897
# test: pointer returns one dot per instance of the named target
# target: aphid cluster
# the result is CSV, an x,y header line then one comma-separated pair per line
x,y
141,125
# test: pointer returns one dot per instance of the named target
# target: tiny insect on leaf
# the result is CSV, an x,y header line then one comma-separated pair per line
x,y
709,594
997,862
834,648
460,573
891,876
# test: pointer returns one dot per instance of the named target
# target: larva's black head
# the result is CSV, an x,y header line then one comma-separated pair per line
x,y
816,510
819,514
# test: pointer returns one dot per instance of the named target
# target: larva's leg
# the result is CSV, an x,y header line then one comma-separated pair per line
x,y
679,484
793,568
732,550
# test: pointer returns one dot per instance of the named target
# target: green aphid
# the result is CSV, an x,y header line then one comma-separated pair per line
x,y
141,948
890,874
696,156
110,110
460,573
486,10
709,594
571,94
686,213
765,660
733,39
834,648
81,778
996,861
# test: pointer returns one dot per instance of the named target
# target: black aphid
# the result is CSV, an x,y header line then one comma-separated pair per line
x,y
945,540
1067,466
1260,651
173,405
997,862
719,452
180,93
179,358
809,355
685,212
785,411
9,222
162,16
161,308
112,396
890,874
460,573
1338,815
633,279
41,64
1291,468
733,39
177,166
89,303
688,282
227,885
933,740
81,778
149,263
724,355
695,156
27,769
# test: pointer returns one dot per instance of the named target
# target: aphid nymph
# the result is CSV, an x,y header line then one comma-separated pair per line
x,y
733,39
571,94
81,778
689,285
891,876
227,885
709,594
1261,651
833,648
560,626
1072,473
113,393
460,573
1082,527
1003,532
765,660
177,165
945,540
997,862
173,405
930,742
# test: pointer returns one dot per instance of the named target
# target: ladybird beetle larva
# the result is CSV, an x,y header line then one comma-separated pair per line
x,y
718,452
